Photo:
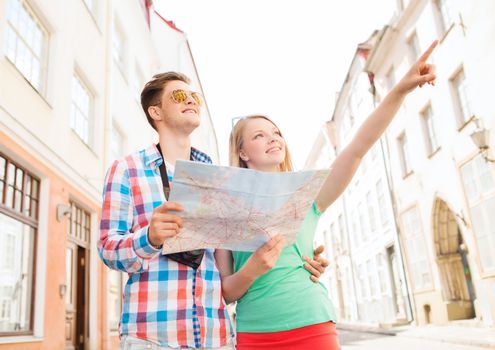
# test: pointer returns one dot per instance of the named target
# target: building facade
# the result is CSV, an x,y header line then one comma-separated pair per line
x,y
69,106
367,274
438,159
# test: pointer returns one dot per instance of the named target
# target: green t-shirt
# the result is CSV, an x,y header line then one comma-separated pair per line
x,y
285,298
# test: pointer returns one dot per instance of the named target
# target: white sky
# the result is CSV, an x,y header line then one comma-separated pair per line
x,y
283,58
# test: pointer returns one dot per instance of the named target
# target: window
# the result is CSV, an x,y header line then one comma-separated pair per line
x,y
429,130
460,89
116,143
413,49
404,155
402,4
390,78
355,229
343,240
118,46
382,276
362,222
19,198
346,122
371,211
416,249
115,291
332,233
374,151
372,278
80,117
445,14
80,224
26,42
91,5
479,183
364,166
137,83
362,281
380,195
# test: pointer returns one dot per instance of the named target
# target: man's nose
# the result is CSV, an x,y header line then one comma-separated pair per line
x,y
190,100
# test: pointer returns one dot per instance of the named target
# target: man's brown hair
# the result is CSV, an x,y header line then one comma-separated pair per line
x,y
152,92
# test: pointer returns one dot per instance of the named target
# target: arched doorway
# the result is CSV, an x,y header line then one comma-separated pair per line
x,y
457,287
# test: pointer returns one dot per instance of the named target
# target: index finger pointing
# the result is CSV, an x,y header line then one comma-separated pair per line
x,y
428,52
319,250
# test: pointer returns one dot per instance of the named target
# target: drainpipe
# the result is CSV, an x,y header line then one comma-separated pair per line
x,y
390,183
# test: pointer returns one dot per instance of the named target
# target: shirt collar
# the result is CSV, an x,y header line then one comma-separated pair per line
x,y
152,155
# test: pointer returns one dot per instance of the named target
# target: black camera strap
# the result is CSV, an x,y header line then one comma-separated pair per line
x,y
190,258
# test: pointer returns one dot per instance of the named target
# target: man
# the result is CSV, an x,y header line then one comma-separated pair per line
x,y
167,304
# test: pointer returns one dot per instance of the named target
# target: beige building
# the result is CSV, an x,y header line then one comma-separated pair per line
x,y
367,274
439,157
71,74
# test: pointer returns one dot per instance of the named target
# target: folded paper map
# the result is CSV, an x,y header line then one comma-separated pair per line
x,y
239,209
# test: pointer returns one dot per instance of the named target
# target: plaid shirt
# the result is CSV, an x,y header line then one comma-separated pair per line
x,y
164,301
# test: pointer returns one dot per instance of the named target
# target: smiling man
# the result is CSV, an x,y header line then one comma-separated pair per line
x,y
170,301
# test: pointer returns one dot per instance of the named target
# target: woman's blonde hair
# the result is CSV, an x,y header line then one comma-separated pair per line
x,y
236,142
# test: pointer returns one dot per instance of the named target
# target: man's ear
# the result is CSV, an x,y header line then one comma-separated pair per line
x,y
154,113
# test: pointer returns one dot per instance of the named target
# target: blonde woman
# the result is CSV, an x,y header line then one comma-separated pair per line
x,y
278,307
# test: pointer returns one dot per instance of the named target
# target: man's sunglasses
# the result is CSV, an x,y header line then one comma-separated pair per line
x,y
179,96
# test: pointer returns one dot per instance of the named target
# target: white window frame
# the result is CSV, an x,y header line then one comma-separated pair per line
x,y
371,211
413,48
445,15
461,96
36,30
414,238
92,6
137,82
119,47
405,159
116,131
86,135
480,168
381,200
390,78
362,222
429,130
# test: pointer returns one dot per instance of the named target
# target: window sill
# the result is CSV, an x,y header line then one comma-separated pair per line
x,y
446,33
466,123
488,273
432,154
20,339
38,91
424,290
406,175
84,143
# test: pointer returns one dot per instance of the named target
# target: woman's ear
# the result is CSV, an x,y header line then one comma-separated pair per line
x,y
243,156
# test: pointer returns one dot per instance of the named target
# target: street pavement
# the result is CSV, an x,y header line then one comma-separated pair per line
x,y
353,340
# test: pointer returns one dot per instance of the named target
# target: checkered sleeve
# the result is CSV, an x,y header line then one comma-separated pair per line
x,y
119,247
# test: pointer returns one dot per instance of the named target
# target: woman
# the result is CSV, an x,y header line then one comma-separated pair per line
x,y
277,306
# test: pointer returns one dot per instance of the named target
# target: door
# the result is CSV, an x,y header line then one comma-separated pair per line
x,y
396,283
75,312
